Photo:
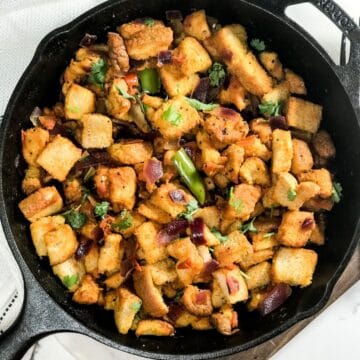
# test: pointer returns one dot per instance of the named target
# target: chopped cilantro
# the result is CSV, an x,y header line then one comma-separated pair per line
x,y
258,44
123,221
270,108
248,227
237,204
74,218
200,106
220,237
336,192
149,22
135,306
85,194
291,195
70,280
217,74
191,208
101,209
268,235
124,94
172,116
97,73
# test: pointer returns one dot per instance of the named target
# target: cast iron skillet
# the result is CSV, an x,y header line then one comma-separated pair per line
x,y
48,308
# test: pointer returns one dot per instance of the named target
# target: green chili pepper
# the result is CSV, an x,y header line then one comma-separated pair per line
x,y
150,81
189,174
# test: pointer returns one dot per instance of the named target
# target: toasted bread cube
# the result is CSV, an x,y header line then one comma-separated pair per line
x,y
296,228
282,151
96,131
154,328
61,244
254,171
135,220
235,94
88,292
262,128
258,275
225,321
235,157
131,152
317,236
254,147
294,266
70,272
58,157
33,141
163,272
303,115
161,198
152,101
116,104
210,215
78,102
196,25
41,227
126,307
43,202
111,254
91,260
110,300
153,303
242,203
238,290
32,180
202,323
191,57
153,213
257,257
295,82
191,297
263,241
302,158
270,61
73,190
143,42
114,281
234,250
175,118
320,177
147,237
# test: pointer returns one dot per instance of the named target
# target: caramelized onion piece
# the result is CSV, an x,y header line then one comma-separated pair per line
x,y
83,248
171,231
197,228
274,299
278,122
152,171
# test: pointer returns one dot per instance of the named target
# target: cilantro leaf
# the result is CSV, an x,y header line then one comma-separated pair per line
x,y
336,192
149,22
123,221
191,208
291,195
237,204
97,73
172,116
124,94
270,108
217,74
220,237
200,106
268,235
74,218
70,280
248,227
101,209
258,44
135,306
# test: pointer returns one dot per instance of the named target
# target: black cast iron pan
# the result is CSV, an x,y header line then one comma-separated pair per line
x,y
48,308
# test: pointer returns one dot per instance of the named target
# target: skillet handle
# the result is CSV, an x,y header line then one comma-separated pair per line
x,y
349,74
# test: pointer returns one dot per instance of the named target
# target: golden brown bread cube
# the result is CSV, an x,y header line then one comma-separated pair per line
x,y
270,61
131,152
236,285
96,131
294,266
114,281
225,320
118,56
295,82
235,157
263,241
88,292
61,244
317,236
145,41
153,213
163,272
302,159
175,118
197,301
296,228
235,94
126,307
196,25
321,177
262,128
147,237
234,250
254,147
43,202
41,227
32,180
116,104
210,215
91,260
257,257
153,303
303,114
254,171
282,151
78,102
33,141
154,328
201,323
70,272
58,157
73,190
258,275
278,94
110,254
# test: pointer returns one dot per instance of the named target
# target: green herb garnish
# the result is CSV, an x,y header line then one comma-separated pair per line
x,y
172,116
73,109
149,22
268,235
191,207
70,280
85,194
220,237
336,192
258,44
200,106
123,221
244,275
124,94
217,74
270,108
291,194
237,204
178,295
248,227
135,306
89,174
74,218
101,209
97,73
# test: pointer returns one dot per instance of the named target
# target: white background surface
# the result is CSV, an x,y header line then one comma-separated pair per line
x,y
23,23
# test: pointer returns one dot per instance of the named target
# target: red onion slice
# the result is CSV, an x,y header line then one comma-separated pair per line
x,y
197,228
164,57
274,299
83,248
210,267
278,122
152,171
88,40
177,196
171,231
201,91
